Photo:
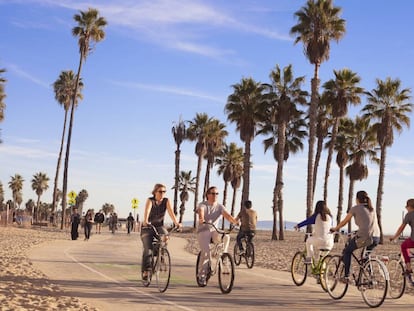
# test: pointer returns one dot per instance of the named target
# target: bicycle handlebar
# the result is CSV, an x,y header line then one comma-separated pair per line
x,y
219,230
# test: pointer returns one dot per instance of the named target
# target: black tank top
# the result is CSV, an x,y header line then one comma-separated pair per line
x,y
157,213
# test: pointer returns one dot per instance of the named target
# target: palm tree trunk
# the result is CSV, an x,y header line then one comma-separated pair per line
x,y
200,159
350,196
329,159
380,190
177,174
65,171
319,149
246,171
62,141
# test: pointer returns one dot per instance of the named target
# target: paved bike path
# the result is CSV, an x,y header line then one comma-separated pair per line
x,y
104,272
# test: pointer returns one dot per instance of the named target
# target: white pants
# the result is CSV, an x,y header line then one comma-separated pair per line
x,y
204,238
314,244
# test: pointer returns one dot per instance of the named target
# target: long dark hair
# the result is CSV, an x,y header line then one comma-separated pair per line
x,y
322,209
364,199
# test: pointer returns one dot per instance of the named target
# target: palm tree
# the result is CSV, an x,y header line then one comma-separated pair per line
x,y
186,184
1,196
108,208
89,31
284,93
389,105
197,132
16,186
229,159
63,88
39,185
80,199
243,108
363,147
318,24
179,132
339,93
215,134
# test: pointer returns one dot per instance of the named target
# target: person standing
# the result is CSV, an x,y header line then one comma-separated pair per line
x,y
99,219
321,237
88,224
248,221
130,223
408,242
154,213
365,218
75,221
210,211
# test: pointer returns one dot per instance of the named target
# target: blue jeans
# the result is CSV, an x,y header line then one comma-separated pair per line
x,y
350,247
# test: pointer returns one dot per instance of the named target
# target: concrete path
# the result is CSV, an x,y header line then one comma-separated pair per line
x,y
105,273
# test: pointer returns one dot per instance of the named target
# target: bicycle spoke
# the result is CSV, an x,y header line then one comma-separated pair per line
x,y
397,280
299,269
226,273
163,269
334,273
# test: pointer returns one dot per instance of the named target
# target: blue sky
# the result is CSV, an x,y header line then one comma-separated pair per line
x,y
166,59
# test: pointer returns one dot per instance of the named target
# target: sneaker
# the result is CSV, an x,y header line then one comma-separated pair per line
x,y
202,280
344,280
308,260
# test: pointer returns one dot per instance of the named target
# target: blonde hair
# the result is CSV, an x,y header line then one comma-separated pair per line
x,y
156,187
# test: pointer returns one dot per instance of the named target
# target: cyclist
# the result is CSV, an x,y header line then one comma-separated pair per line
x,y
408,242
155,208
248,221
321,237
367,234
210,211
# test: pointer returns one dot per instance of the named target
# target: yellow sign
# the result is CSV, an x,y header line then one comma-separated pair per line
x,y
72,195
135,203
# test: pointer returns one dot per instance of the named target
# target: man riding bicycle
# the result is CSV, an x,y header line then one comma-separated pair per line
x,y
248,219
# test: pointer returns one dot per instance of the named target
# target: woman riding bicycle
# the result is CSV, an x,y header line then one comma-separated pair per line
x,y
209,211
321,237
155,208
368,229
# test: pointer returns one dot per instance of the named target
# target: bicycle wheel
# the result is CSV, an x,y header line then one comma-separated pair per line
x,y
147,280
249,255
226,273
163,269
397,280
236,255
199,281
322,271
334,272
374,283
298,268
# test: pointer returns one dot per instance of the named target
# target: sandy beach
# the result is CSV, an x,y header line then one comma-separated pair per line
x,y
22,287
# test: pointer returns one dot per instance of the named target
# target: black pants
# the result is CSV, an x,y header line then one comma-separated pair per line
x,y
74,231
241,235
88,228
147,237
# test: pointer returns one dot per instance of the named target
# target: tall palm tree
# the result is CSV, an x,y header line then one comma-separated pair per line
x,y
16,186
108,208
2,95
197,132
186,184
63,88
179,132
389,105
243,108
339,93
363,147
281,100
229,159
215,134
39,185
1,196
89,31
318,24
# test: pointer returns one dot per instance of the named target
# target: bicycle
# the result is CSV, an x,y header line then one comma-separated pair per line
x,y
396,270
248,248
220,262
160,261
372,277
299,268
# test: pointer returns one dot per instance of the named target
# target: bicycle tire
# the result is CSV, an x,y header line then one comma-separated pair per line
x,y
226,273
298,268
236,255
374,282
249,255
397,282
334,272
322,271
163,269
199,283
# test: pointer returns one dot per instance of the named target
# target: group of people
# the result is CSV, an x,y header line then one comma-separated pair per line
x,y
209,211
367,235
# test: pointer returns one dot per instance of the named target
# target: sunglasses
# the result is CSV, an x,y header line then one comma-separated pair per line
x,y
214,193
161,191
